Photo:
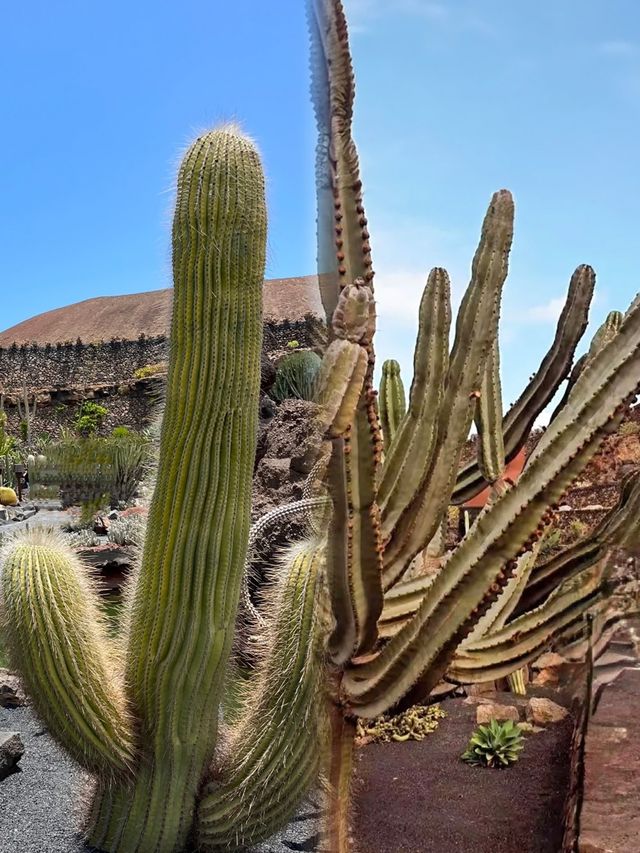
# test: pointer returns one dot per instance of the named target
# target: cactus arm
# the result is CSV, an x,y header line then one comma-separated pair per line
x,y
491,457
616,529
475,328
185,601
408,458
327,264
273,753
354,567
444,620
340,382
391,400
601,338
60,645
504,651
553,370
306,508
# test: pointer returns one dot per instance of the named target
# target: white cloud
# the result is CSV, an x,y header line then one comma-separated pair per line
x,y
361,13
548,312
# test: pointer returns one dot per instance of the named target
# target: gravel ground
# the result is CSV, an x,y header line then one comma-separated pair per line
x,y
40,807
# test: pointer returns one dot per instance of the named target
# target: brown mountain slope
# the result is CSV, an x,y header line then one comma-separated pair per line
x,y
127,317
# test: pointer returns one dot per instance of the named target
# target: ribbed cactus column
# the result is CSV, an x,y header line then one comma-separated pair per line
x,y
392,400
185,603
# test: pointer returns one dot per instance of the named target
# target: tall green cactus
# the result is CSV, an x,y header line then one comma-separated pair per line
x,y
392,656
152,751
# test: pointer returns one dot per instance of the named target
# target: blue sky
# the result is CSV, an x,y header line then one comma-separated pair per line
x,y
455,99
98,101
458,99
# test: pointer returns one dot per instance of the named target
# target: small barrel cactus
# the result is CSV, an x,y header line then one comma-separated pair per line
x,y
8,496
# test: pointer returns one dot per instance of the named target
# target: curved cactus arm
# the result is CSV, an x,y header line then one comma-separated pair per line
x,y
617,529
504,651
340,383
410,455
184,606
554,368
391,400
58,641
499,612
305,509
603,335
351,425
481,566
475,330
273,753
491,456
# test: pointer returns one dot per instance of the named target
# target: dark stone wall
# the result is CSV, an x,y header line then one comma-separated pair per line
x,y
74,365
59,377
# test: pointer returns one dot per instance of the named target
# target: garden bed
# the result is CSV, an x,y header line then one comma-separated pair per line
x,y
421,797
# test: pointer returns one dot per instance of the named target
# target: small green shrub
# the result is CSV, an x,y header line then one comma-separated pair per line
x,y
293,344
629,428
295,376
120,432
89,417
150,370
495,745
578,529
550,543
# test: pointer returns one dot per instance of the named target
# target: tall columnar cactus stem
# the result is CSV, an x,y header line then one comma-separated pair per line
x,y
392,400
273,754
491,457
554,368
475,328
185,602
60,644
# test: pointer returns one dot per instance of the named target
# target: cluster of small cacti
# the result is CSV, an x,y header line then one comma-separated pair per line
x,y
497,744
296,376
413,724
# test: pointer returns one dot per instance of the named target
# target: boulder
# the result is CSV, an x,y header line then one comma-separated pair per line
x,y
548,659
101,525
11,692
11,751
542,712
488,711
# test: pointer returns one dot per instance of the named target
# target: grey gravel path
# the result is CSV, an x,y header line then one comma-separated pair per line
x,y
40,806
45,517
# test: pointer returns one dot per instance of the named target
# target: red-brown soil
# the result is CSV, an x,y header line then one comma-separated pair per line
x,y
420,797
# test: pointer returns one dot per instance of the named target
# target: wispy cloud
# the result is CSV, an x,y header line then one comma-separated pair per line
x,y
361,13
546,313
618,47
